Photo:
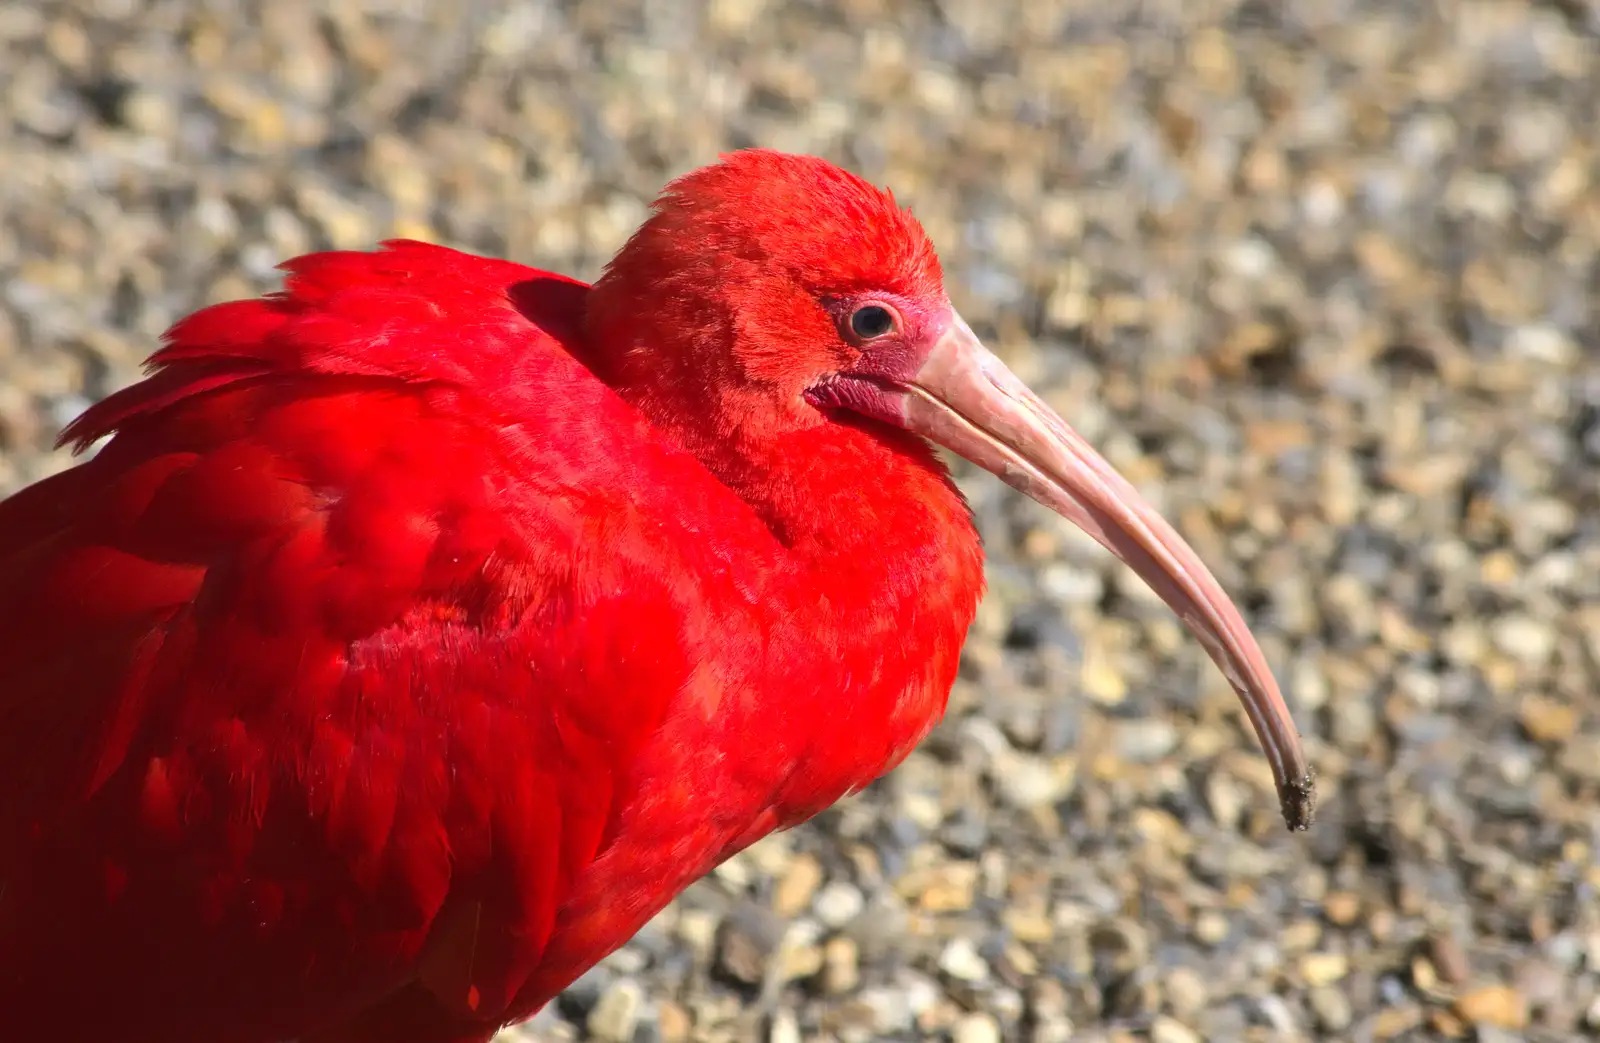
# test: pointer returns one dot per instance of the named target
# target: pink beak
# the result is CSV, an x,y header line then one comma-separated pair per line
x,y
964,398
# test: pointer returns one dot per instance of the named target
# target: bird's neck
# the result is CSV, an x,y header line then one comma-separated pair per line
x,y
855,503
876,575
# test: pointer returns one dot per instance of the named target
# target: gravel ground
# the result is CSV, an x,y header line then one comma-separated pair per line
x,y
1322,275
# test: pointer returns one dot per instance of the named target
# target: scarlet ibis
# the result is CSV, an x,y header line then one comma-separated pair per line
x,y
423,629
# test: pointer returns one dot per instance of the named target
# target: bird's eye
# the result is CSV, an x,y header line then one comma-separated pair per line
x,y
871,320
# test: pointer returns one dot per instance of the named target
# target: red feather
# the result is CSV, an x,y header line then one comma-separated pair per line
x,y
386,668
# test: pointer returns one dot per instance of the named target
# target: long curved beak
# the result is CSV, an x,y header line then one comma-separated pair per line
x,y
965,399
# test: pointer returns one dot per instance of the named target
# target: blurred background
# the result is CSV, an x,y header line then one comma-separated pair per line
x,y
1321,276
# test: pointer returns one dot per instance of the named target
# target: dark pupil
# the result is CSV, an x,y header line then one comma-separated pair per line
x,y
871,321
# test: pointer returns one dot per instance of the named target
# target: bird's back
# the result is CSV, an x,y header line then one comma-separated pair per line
x,y
331,674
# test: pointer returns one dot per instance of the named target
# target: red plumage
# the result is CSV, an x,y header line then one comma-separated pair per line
x,y
422,629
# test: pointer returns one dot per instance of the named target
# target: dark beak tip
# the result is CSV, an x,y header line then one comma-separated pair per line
x,y
1298,800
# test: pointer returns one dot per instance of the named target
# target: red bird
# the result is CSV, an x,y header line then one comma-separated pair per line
x,y
423,629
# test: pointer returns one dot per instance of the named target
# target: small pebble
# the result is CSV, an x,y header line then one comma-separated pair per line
x,y
1323,968
1170,1030
795,890
784,1028
1342,908
1211,927
976,1028
838,903
1497,1006
1145,741
1331,1008
617,1014
747,943
841,961
960,960
889,1009
1186,991
674,1022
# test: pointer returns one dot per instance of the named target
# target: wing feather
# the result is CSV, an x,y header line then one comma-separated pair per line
x,y
322,656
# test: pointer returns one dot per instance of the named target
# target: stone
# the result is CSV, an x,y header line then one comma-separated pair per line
x,y
1499,1006
977,1027
1170,1030
1323,968
838,903
960,960
797,886
615,1017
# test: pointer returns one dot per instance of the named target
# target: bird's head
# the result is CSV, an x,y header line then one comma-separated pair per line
x,y
781,293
